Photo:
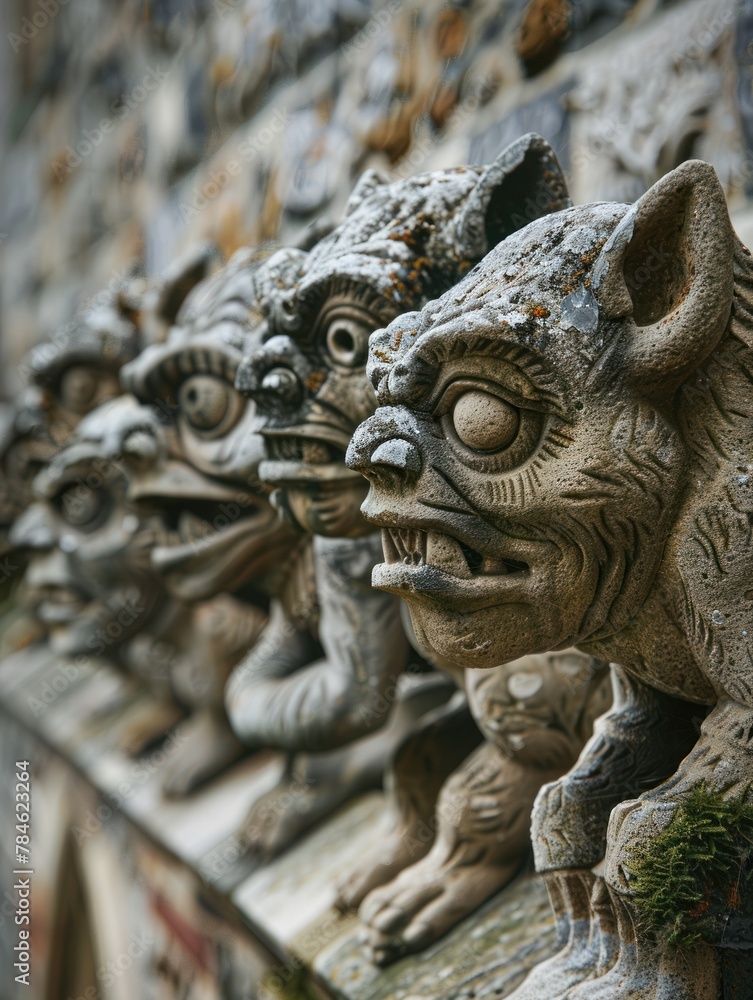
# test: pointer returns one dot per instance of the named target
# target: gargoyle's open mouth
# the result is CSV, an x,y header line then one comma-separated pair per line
x,y
210,546
306,459
434,566
57,605
416,547
288,448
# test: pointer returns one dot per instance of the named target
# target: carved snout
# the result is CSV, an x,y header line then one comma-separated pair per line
x,y
34,530
384,447
274,376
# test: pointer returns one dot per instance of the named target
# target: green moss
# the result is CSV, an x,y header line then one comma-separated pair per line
x,y
698,872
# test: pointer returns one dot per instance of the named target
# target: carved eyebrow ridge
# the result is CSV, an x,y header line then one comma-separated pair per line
x,y
312,298
183,361
440,346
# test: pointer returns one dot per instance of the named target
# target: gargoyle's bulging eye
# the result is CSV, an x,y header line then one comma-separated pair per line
x,y
81,506
484,422
209,403
348,342
78,387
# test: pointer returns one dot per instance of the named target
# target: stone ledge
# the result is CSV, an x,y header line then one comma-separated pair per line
x,y
287,905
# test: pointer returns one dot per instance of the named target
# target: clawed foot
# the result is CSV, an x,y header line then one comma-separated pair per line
x,y
287,812
482,838
440,743
404,847
204,747
427,900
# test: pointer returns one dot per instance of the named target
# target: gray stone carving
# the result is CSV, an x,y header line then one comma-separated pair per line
x,y
399,244
562,445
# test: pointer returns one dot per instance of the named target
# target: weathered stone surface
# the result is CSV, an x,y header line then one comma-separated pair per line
x,y
604,338
399,244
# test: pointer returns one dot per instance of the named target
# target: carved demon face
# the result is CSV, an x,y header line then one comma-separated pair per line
x,y
399,244
71,374
533,708
225,532
77,369
89,580
526,461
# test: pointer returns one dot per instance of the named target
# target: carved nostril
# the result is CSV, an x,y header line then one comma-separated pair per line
x,y
398,454
141,445
283,383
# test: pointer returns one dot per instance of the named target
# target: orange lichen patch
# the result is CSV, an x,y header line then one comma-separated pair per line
x,y
593,253
398,338
539,312
383,357
417,235
314,381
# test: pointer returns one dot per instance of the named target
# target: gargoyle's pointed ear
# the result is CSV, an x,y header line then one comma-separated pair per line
x,y
669,266
369,181
181,276
524,183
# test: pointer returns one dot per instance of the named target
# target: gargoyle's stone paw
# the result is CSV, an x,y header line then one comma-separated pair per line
x,y
426,901
403,848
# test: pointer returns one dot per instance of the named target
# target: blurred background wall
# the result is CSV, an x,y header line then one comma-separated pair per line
x,y
134,130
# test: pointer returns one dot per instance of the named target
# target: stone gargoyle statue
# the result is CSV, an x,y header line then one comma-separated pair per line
x,y
400,244
89,581
230,539
91,584
562,449
67,376
224,538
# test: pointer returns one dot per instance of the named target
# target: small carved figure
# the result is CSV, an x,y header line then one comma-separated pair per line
x,y
536,714
224,537
89,581
399,244
69,375
562,449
